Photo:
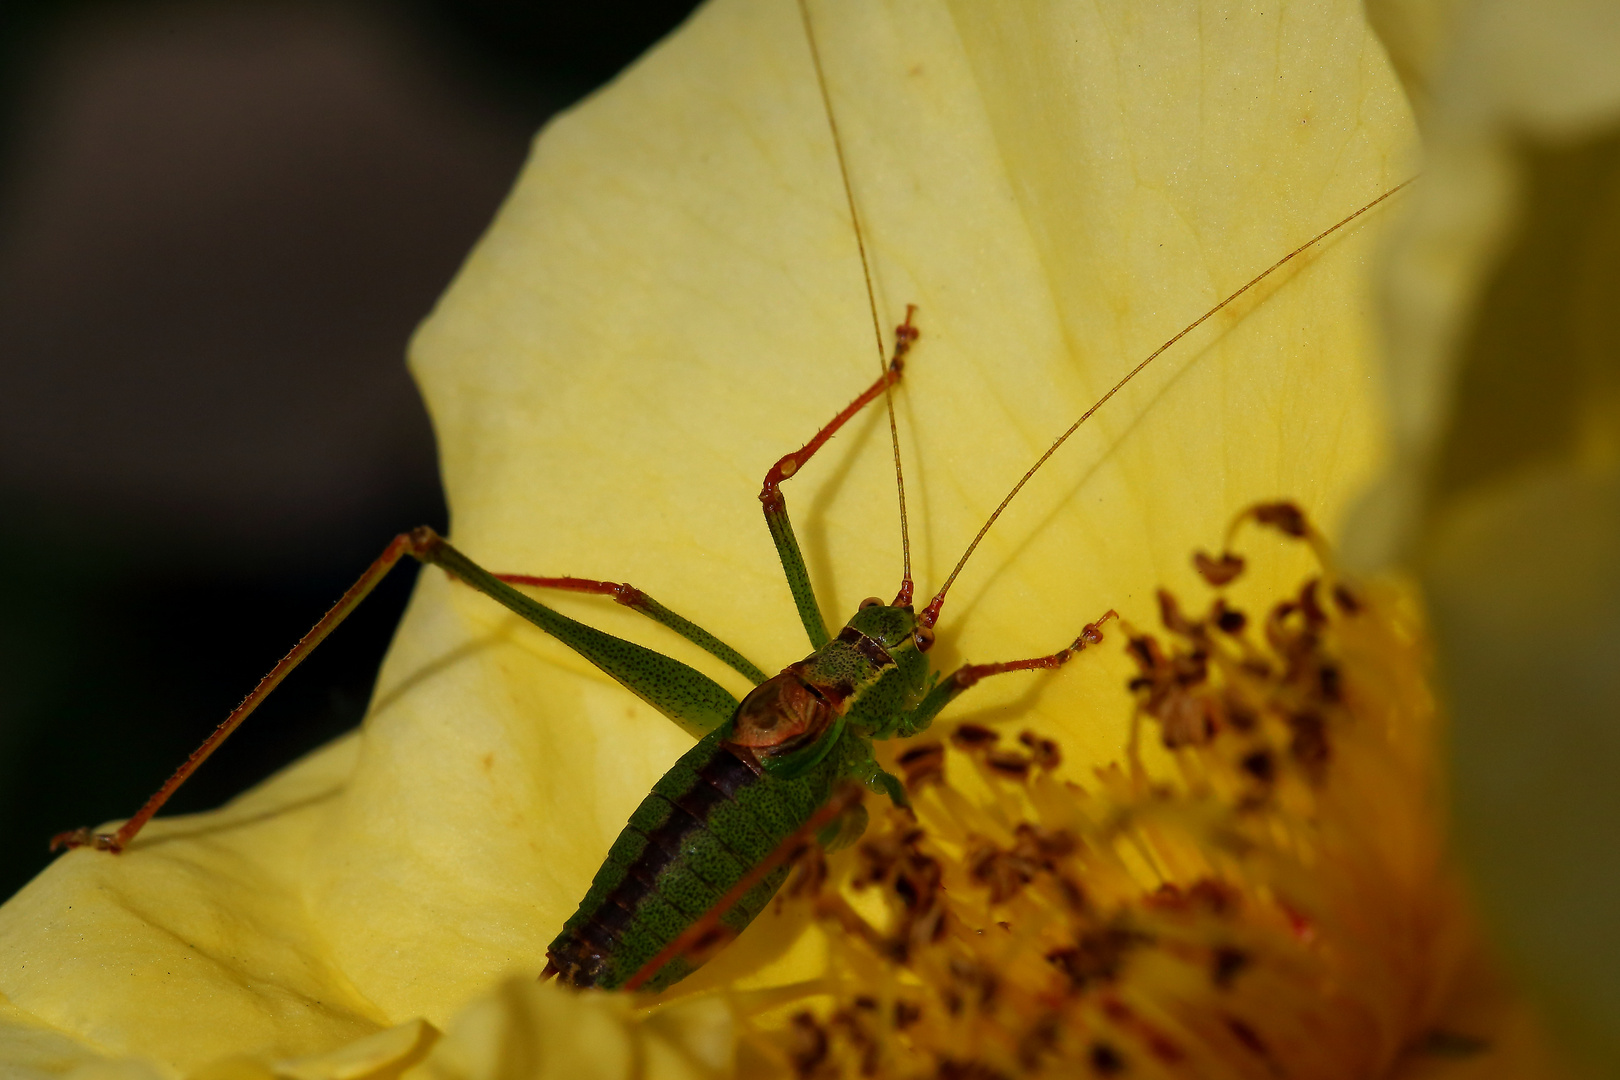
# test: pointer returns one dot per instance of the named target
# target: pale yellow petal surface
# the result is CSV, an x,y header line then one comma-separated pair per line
x,y
1505,365
524,1030
669,301
195,945
664,307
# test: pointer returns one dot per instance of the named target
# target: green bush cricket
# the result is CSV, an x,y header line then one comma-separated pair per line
x,y
709,846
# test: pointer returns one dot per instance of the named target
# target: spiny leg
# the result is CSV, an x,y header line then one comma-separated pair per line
x,y
688,697
633,598
695,702
116,841
770,495
968,675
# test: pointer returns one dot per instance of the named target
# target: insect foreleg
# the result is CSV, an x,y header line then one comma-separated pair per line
x,y
946,690
770,495
636,600
687,696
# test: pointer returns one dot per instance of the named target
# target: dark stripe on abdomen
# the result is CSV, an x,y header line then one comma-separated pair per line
x,y
668,868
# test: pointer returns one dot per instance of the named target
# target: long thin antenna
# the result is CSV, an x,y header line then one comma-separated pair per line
x,y
904,596
930,614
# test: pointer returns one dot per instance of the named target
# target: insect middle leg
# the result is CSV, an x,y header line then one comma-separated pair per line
x,y
770,495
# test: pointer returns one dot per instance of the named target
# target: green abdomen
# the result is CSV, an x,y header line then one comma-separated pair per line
x,y
706,823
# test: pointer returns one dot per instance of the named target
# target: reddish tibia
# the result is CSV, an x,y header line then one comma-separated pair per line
x,y
405,543
969,674
628,595
770,493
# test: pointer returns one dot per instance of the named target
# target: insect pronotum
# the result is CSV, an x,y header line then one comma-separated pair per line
x,y
705,851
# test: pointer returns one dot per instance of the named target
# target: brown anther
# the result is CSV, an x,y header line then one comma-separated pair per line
x,y
1170,614
1225,965
1187,720
1008,763
1001,873
1074,896
1219,570
1260,765
1097,956
1145,651
1309,745
809,1044
924,764
1247,1036
1213,896
1206,895
1310,606
1105,1060
1045,845
1238,715
1229,619
1285,517
973,737
1039,1042
1191,669
1045,752
1328,682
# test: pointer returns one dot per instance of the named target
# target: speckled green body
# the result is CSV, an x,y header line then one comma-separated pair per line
x,y
738,795
705,824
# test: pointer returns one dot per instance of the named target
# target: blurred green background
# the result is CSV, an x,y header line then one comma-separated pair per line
x,y
219,224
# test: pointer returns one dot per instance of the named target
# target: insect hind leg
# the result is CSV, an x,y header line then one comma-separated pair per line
x,y
412,543
633,598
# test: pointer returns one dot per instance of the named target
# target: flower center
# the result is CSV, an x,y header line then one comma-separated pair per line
x,y
1259,889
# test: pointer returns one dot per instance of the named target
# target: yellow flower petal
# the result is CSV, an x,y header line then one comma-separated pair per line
x,y
526,1030
668,302
195,946
1505,367
608,397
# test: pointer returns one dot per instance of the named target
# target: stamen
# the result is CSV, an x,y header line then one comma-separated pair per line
x,y
1263,891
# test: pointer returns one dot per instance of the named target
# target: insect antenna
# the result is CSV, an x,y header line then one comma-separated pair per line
x,y
902,342
930,614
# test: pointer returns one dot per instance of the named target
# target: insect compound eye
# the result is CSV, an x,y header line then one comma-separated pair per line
x,y
924,638
871,601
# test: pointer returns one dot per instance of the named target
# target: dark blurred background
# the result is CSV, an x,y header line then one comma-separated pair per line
x,y
219,224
